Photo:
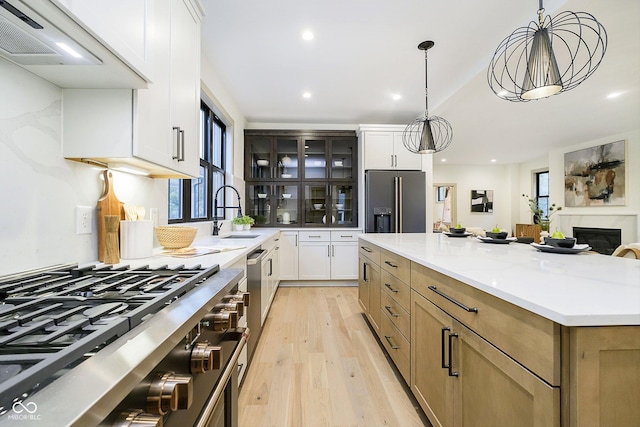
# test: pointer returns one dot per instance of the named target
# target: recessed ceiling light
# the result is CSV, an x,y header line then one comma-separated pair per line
x,y
493,160
443,160
614,95
306,95
307,35
396,97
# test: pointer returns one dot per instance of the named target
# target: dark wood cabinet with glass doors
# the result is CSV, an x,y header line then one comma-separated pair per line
x,y
301,178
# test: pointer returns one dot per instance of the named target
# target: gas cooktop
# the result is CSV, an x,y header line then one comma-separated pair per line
x,y
53,319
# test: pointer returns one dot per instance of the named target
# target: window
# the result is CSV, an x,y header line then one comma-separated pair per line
x,y
191,200
542,191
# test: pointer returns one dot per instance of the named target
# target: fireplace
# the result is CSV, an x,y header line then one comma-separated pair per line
x,y
601,240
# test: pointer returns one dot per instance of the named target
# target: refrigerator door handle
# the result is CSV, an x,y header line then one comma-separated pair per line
x,y
395,203
400,203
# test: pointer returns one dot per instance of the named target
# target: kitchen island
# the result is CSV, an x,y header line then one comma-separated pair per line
x,y
501,334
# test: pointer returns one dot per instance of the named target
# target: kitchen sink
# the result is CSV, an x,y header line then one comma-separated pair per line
x,y
240,236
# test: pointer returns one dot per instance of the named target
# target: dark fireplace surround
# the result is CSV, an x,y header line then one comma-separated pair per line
x,y
601,240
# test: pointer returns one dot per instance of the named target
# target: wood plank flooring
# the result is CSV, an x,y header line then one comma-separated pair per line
x,y
318,364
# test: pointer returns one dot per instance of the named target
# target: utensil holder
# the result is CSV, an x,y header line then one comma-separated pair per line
x,y
136,239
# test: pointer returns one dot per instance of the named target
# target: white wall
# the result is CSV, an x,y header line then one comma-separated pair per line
x,y
498,178
40,189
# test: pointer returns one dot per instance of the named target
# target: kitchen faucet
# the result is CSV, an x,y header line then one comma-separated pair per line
x,y
216,229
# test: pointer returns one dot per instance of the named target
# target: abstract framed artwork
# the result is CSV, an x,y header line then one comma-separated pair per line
x,y
595,176
482,201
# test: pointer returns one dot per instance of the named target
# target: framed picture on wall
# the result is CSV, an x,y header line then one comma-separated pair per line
x,y
595,176
482,201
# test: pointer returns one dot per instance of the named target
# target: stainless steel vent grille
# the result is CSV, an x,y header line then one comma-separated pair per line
x,y
15,41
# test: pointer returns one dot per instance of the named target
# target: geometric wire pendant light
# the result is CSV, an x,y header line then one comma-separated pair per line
x,y
547,57
427,135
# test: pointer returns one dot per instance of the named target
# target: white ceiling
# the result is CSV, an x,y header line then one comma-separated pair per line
x,y
366,50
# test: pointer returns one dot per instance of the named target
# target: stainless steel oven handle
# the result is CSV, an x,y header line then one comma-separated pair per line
x,y
210,405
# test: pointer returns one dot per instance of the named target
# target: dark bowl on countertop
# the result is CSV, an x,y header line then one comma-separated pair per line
x,y
458,230
500,235
567,242
525,240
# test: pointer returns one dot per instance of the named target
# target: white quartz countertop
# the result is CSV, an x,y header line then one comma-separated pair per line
x,y
571,289
232,249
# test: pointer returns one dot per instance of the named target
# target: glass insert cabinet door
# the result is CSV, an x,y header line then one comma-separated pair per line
x,y
287,158
261,163
343,205
315,204
287,212
315,159
259,204
343,163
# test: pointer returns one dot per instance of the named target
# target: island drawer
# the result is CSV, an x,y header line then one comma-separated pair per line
x,y
397,346
368,250
397,314
396,265
397,289
528,338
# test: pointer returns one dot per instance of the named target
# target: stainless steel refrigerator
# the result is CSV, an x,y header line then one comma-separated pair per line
x,y
394,201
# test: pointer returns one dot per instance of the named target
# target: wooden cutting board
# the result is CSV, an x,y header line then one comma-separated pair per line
x,y
108,204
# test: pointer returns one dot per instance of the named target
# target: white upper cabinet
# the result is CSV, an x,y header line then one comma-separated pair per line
x,y
383,149
156,129
126,26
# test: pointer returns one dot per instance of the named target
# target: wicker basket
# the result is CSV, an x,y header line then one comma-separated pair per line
x,y
175,237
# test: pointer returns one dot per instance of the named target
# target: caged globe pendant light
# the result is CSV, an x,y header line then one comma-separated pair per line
x,y
427,135
551,56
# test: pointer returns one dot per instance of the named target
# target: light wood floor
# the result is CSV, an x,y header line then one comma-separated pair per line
x,y
318,364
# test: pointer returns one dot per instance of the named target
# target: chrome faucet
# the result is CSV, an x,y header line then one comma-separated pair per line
x,y
216,229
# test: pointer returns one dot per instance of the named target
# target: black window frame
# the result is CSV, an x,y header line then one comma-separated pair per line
x,y
209,121
541,193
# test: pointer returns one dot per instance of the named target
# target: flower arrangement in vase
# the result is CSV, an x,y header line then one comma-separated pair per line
x,y
539,215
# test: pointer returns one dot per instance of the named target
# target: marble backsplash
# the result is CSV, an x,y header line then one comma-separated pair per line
x,y
628,223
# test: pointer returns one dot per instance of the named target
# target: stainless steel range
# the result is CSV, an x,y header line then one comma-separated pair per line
x,y
120,346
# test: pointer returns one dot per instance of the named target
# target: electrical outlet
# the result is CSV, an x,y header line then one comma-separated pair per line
x,y
84,219
153,215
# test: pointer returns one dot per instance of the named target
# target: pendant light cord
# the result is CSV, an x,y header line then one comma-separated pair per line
x,y
426,85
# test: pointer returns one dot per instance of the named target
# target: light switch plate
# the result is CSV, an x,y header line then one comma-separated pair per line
x,y
84,219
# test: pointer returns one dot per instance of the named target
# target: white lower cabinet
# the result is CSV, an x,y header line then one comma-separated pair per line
x,y
321,255
288,255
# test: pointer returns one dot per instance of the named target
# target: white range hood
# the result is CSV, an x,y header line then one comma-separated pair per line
x,y
39,36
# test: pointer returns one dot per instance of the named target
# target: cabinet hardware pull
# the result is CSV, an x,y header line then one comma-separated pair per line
x,y
452,373
176,156
328,251
181,155
270,266
391,160
366,249
395,291
448,298
346,236
388,307
444,330
296,240
364,271
388,338
333,251
389,263
315,236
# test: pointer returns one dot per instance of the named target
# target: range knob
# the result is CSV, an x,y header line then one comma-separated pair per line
x,y
244,297
230,306
205,357
222,320
169,392
138,418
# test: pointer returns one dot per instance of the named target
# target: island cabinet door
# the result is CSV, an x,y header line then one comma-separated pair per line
x,y
430,381
364,272
491,389
373,276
